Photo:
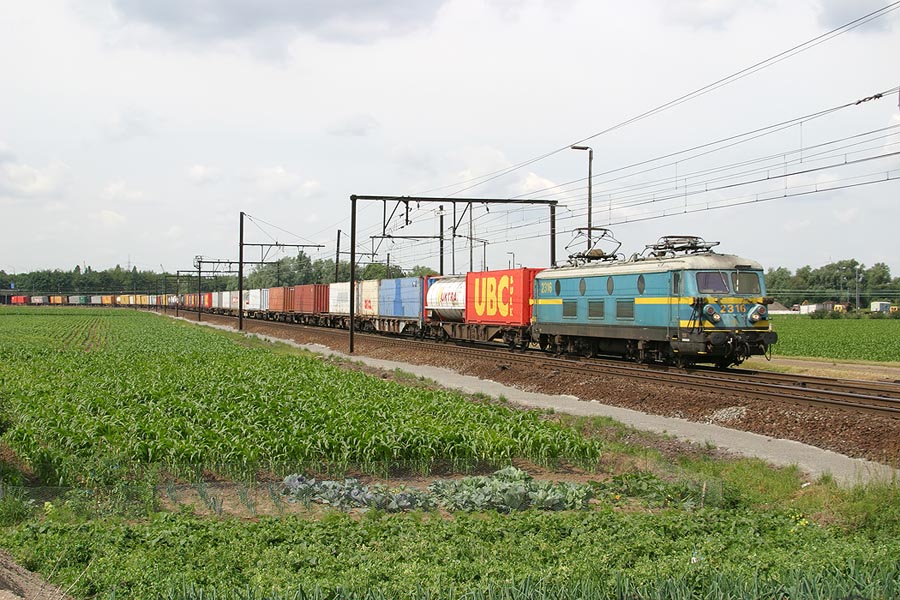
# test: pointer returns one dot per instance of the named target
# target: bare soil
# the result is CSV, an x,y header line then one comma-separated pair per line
x,y
860,436
18,584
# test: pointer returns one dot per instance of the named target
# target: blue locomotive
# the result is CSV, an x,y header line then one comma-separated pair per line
x,y
679,303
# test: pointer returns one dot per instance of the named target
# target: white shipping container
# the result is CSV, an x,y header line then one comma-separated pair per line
x,y
367,298
96,299
264,299
339,298
880,307
806,309
251,300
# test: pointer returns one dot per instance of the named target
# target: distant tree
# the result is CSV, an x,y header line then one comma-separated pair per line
x,y
422,271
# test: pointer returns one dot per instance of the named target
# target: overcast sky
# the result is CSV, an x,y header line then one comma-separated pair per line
x,y
135,131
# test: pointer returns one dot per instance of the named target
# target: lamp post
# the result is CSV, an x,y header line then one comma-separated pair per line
x,y
857,290
590,178
513,264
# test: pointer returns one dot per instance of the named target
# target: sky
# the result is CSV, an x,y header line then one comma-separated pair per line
x,y
134,132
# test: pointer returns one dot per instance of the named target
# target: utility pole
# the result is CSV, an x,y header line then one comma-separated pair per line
x,y
337,257
590,178
240,305
441,229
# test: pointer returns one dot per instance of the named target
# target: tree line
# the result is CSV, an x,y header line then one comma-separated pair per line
x,y
839,281
286,271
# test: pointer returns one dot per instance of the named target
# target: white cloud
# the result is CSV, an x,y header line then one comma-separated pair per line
x,y
847,214
18,180
202,174
712,14
119,191
413,160
796,226
6,154
532,182
129,124
276,21
835,13
110,219
56,207
278,182
359,125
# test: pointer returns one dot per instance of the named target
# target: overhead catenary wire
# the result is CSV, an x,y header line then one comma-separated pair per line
x,y
736,76
476,181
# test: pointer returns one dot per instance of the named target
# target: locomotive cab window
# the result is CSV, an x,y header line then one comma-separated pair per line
x,y
570,308
712,282
596,309
745,283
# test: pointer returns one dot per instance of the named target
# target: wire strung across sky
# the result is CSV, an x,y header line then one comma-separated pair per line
x,y
736,76
564,191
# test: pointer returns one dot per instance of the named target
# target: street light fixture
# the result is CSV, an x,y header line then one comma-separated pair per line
x,y
590,167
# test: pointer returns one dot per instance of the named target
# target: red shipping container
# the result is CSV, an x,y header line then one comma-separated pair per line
x,y
207,299
288,299
276,299
311,299
500,297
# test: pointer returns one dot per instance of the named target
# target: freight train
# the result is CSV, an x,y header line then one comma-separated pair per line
x,y
678,303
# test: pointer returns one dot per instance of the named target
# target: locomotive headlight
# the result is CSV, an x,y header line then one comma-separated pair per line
x,y
757,313
712,314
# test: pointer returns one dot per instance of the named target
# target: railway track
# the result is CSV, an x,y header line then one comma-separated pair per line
x,y
871,397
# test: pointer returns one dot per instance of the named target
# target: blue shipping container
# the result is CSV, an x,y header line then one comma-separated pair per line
x,y
402,298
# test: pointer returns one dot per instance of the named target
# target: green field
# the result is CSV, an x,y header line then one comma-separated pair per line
x,y
138,454
840,339
92,388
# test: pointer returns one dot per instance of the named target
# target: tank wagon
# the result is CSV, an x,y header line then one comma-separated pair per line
x,y
678,303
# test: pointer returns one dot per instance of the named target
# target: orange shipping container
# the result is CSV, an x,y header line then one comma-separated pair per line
x,y
281,299
500,297
311,299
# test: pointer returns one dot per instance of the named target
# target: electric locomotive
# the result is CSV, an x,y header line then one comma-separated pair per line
x,y
678,302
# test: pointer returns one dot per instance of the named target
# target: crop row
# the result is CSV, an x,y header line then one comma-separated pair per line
x,y
189,399
638,554
842,339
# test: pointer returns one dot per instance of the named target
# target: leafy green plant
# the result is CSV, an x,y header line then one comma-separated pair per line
x,y
163,394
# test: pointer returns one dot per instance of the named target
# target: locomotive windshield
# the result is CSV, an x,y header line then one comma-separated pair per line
x,y
745,283
712,282
716,282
